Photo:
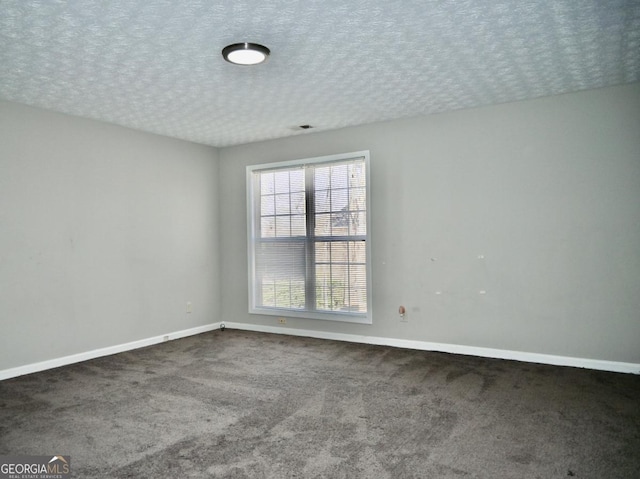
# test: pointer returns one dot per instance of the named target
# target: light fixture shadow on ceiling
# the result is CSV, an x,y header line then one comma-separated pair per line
x,y
245,54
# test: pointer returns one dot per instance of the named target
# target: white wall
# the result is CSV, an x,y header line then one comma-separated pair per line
x,y
547,190
105,234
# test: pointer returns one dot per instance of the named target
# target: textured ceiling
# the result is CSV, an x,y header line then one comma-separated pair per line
x,y
155,65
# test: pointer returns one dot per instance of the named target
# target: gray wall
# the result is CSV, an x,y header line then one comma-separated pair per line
x,y
548,191
105,234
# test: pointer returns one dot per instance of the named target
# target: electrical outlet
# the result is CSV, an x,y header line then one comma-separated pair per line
x,y
282,320
189,308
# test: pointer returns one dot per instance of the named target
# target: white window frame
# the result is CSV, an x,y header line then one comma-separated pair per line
x,y
252,233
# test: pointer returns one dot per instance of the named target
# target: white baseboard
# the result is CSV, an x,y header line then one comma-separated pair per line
x,y
613,366
602,365
97,353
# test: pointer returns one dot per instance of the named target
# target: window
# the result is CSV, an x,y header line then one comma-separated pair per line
x,y
309,245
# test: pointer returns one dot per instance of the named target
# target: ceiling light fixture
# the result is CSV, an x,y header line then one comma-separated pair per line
x,y
245,53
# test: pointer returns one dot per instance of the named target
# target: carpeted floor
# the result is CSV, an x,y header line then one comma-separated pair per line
x,y
252,405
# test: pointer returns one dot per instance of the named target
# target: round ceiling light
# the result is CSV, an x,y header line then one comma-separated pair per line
x,y
245,53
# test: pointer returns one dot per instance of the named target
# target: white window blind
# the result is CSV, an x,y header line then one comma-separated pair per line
x,y
308,238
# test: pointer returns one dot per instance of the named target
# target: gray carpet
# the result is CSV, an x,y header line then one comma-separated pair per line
x,y
253,405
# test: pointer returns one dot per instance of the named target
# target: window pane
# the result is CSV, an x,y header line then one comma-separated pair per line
x,y
323,225
266,184
298,225
358,224
282,205
357,199
323,252
322,177
277,260
341,284
282,181
357,276
268,293
339,176
358,302
358,288
357,174
283,294
357,252
339,252
268,227
339,287
297,203
280,269
296,179
339,200
267,206
340,224
297,294
323,287
283,226
323,201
